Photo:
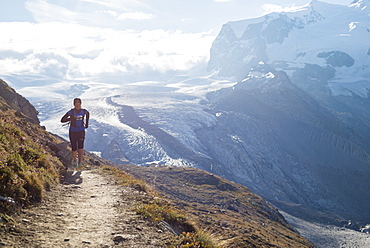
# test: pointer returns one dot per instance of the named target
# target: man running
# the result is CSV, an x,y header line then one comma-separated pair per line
x,y
79,121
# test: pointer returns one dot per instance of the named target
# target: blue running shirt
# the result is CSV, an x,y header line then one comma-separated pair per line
x,y
79,116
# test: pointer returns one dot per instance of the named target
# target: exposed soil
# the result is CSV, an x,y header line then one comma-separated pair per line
x,y
87,209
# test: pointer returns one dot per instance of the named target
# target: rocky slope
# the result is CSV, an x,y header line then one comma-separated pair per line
x,y
12,99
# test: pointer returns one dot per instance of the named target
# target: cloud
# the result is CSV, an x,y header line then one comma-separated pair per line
x,y
69,51
117,4
94,13
42,11
223,1
127,15
134,16
109,12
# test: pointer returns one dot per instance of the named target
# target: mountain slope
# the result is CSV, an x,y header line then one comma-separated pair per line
x,y
297,124
215,202
27,166
11,99
277,140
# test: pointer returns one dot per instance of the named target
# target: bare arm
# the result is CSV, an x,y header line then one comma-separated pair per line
x,y
66,118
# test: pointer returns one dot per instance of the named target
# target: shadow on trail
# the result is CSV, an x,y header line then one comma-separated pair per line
x,y
72,177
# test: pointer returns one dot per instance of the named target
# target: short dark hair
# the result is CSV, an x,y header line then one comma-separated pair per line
x,y
77,100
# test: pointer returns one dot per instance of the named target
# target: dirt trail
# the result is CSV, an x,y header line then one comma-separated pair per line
x,y
86,210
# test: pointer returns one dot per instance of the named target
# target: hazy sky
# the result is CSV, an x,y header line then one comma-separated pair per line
x,y
186,15
90,39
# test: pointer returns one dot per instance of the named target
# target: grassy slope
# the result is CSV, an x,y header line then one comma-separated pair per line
x,y
27,164
229,210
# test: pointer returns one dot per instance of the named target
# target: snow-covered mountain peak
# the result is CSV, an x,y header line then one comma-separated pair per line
x,y
325,9
318,5
319,34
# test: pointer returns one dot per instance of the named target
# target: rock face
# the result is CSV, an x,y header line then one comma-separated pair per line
x,y
284,145
18,102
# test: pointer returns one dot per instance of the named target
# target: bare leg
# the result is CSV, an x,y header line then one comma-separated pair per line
x,y
80,155
74,155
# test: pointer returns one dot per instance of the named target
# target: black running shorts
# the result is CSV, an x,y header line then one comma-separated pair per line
x,y
77,140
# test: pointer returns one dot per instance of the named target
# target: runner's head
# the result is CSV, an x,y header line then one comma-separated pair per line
x,y
77,103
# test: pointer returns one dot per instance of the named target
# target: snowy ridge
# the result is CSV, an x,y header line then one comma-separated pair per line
x,y
290,40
